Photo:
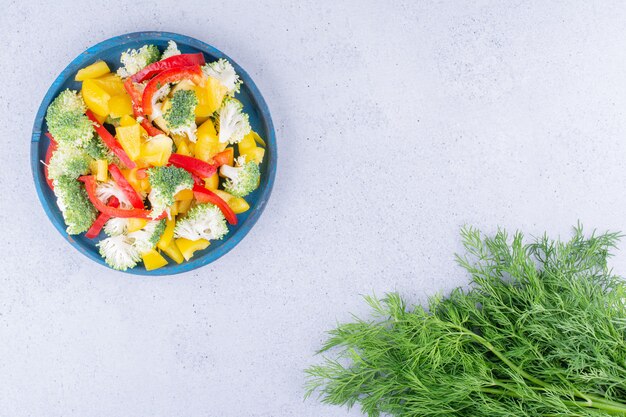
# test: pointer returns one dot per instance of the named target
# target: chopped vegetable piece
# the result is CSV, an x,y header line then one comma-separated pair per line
x,y
206,196
226,157
168,63
168,233
153,260
171,50
210,97
130,139
52,146
223,71
242,179
198,167
134,60
67,121
232,123
95,70
188,247
135,200
166,182
78,213
68,161
135,224
102,168
147,238
119,252
204,221
172,251
111,83
238,205
96,99
212,182
180,116
255,155
120,105
176,74
184,206
156,151
184,195
111,142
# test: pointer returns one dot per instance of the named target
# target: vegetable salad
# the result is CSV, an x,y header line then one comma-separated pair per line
x,y
156,157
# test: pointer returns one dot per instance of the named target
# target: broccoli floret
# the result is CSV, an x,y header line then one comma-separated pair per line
x,y
67,121
180,116
119,252
134,60
232,123
165,183
241,179
171,50
223,71
68,161
116,226
72,199
204,221
96,149
147,238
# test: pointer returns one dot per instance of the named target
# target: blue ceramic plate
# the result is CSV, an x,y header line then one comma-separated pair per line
x,y
110,51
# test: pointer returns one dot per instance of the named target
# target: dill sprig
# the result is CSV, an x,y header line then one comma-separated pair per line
x,y
541,331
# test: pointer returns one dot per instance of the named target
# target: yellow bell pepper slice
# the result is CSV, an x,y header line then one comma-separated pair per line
x,y
184,195
95,97
212,182
156,151
255,155
130,139
246,144
120,106
210,97
258,139
168,233
188,247
238,205
207,143
103,170
184,206
182,148
223,195
112,84
153,260
94,70
172,251
127,121
135,224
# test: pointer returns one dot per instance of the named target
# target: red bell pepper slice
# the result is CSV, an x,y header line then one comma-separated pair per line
x,y
176,61
125,186
90,187
97,226
135,99
110,141
194,165
206,196
193,73
51,148
150,129
224,157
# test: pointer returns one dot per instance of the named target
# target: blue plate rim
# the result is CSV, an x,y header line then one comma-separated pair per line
x,y
232,239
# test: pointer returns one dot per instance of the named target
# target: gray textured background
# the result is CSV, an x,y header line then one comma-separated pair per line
x,y
397,123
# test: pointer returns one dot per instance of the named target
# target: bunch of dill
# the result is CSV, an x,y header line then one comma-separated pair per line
x,y
540,332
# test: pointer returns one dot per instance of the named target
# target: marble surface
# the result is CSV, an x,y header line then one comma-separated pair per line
x,y
397,123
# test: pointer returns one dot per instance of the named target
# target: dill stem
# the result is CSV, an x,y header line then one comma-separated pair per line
x,y
592,401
